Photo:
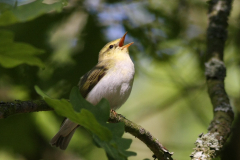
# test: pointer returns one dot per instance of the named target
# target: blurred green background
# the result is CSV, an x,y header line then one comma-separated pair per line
x,y
169,96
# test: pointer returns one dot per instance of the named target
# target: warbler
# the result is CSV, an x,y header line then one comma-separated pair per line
x,y
112,79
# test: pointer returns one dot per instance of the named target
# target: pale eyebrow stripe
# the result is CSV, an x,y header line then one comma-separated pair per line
x,y
109,48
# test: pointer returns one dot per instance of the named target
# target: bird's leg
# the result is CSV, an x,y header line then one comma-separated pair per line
x,y
114,112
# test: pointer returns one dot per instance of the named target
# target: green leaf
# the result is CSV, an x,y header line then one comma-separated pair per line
x,y
28,12
77,100
13,53
85,118
116,149
117,146
101,111
94,118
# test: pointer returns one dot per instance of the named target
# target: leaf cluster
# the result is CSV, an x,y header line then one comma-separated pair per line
x,y
94,118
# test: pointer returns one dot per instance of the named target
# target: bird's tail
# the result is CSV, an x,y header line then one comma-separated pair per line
x,y
64,135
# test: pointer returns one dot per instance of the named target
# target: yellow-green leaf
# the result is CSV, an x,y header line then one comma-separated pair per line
x,y
15,53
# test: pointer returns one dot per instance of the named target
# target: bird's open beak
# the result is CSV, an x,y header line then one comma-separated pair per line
x,y
121,42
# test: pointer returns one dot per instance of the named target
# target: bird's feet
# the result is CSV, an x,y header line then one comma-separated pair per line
x,y
114,112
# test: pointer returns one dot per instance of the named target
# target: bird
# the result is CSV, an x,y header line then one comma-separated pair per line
x,y
112,78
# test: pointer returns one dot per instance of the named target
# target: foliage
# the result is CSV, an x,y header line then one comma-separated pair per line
x,y
93,118
13,54
169,96
28,12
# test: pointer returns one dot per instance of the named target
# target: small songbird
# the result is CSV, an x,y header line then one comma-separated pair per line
x,y
112,79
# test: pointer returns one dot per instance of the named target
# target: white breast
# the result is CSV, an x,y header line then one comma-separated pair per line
x,y
115,86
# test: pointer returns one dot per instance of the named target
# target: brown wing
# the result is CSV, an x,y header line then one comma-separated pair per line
x,y
90,79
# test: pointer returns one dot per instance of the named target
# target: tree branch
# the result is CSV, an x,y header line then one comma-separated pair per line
x,y
208,145
138,131
16,107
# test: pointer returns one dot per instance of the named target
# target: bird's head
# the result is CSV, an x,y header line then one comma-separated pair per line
x,y
114,49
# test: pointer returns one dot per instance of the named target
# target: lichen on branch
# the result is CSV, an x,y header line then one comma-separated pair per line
x,y
209,145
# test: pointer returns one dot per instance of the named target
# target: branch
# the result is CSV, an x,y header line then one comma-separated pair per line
x,y
209,145
16,107
156,147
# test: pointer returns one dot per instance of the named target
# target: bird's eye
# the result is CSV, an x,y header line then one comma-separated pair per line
x,y
111,46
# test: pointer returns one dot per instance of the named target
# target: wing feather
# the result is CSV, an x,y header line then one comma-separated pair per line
x,y
90,79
